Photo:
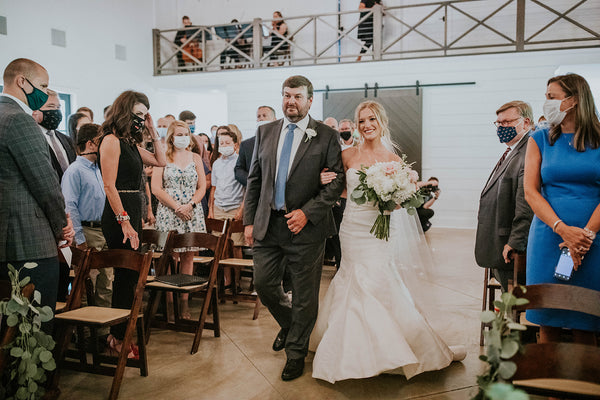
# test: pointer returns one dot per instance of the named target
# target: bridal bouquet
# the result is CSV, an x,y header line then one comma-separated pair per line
x,y
387,185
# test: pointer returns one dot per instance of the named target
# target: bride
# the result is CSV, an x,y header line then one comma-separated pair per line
x,y
368,323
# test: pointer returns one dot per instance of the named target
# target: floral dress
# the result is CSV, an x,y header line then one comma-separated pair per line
x,y
180,184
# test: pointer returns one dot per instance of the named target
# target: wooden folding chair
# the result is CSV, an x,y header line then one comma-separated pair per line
x,y
206,290
151,240
98,317
565,370
490,286
239,264
78,259
8,333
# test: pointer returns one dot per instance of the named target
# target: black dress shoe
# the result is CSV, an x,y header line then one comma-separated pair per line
x,y
279,342
294,367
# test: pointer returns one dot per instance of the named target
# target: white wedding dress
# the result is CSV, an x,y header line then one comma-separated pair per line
x,y
368,323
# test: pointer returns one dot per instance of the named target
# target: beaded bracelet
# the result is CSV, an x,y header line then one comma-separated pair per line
x,y
591,233
122,217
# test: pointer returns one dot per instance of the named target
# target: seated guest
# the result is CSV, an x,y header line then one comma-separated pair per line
x,y
431,189
75,122
278,28
227,195
346,128
87,112
189,118
179,187
83,190
62,150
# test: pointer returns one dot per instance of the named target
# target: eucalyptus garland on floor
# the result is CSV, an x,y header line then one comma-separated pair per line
x,y
503,342
31,350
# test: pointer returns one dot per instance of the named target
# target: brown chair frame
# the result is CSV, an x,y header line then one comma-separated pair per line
x,y
207,290
91,316
238,264
543,368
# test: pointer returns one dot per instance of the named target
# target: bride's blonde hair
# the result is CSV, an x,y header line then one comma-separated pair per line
x,y
382,119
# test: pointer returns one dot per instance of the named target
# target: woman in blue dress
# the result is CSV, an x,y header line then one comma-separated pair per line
x,y
562,186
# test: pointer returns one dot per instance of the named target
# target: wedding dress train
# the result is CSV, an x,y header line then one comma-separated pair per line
x,y
368,323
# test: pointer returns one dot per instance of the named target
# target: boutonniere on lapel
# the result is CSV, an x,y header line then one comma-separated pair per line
x,y
310,133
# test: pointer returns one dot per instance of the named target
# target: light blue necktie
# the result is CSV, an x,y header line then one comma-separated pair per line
x,y
284,164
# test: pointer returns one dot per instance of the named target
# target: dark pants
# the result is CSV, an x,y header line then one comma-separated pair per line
x,y
304,265
503,275
425,214
333,246
44,277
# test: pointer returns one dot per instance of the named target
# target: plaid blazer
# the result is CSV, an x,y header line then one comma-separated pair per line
x,y
32,208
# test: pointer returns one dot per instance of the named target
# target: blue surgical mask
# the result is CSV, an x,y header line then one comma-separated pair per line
x,y
507,133
192,128
162,131
36,99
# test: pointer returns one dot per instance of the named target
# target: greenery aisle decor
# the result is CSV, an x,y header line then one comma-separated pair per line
x,y
31,350
503,341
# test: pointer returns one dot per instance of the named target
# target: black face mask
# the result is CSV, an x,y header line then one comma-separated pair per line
x,y
51,119
137,128
345,135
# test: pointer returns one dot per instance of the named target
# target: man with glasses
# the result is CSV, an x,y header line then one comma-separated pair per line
x,y
504,215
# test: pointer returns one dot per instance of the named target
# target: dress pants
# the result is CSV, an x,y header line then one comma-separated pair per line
x,y
101,278
304,265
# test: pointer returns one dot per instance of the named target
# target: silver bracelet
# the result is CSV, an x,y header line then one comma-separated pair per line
x,y
558,221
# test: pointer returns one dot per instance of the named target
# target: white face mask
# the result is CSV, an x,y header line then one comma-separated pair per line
x,y
226,150
181,142
552,111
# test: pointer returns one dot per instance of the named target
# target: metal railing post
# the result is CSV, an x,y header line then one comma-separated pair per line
x,y
156,50
377,31
256,41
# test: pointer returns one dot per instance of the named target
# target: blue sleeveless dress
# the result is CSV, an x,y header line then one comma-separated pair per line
x,y
571,184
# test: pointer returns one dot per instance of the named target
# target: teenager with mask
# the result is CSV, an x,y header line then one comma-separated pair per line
x,y
180,187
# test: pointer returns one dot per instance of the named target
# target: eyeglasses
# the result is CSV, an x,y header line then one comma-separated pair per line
x,y
505,123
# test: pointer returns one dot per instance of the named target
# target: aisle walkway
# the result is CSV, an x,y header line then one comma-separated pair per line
x,y
241,365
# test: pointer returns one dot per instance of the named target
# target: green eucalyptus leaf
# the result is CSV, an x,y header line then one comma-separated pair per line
x,y
487,316
50,365
521,301
46,313
12,269
411,211
37,297
30,265
12,306
12,320
45,356
22,393
509,348
26,355
32,387
16,352
515,326
24,327
34,309
25,281
500,305
507,369
31,370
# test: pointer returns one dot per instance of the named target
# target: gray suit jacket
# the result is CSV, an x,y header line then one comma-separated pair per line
x,y
32,208
303,189
504,215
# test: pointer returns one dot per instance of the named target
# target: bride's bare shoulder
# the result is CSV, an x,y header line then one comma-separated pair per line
x,y
348,155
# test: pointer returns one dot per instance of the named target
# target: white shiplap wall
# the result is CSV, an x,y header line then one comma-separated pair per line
x,y
459,142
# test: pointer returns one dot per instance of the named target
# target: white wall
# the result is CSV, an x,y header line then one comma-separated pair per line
x,y
460,146
86,67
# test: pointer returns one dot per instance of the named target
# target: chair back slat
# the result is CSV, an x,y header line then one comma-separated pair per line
x,y
194,239
236,226
558,361
215,225
118,258
79,263
561,297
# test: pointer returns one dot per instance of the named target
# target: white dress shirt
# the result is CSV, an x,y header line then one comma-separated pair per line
x,y
59,146
24,106
298,135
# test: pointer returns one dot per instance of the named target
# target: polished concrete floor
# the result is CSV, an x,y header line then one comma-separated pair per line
x,y
241,365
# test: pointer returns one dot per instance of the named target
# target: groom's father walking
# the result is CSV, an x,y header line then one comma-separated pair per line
x,y
288,216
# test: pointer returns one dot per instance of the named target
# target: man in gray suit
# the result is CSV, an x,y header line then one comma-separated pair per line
x,y
288,216
504,215
32,209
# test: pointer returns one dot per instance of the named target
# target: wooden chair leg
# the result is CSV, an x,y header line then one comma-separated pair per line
x,y
256,308
154,301
483,305
81,345
142,347
202,320
216,316
120,367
